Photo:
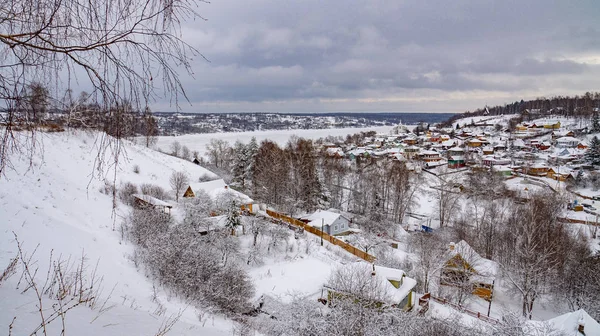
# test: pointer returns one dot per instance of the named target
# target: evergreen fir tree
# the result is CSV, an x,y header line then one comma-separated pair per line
x,y
592,156
239,164
595,122
251,151
233,217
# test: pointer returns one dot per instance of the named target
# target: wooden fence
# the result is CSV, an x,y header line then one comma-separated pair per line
x,y
424,304
326,237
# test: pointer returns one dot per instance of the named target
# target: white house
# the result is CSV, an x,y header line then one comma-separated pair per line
x,y
577,323
331,222
567,142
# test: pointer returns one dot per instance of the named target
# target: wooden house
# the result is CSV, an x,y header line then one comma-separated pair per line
x,y
537,169
410,141
488,150
429,156
396,289
149,202
475,143
465,268
559,173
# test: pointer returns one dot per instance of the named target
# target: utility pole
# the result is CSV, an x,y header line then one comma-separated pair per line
x,y
491,298
322,222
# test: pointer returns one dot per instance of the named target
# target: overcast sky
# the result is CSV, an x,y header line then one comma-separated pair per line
x,y
375,55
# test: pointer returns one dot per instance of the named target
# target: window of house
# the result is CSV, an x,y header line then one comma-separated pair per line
x,y
335,227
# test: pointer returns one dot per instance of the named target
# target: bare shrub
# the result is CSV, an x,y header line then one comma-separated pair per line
x,y
68,283
143,225
126,193
136,169
154,191
108,188
206,177
179,180
9,270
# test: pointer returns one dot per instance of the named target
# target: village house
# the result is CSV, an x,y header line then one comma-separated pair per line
x,y
396,288
577,323
411,151
149,202
411,140
456,158
537,169
429,156
475,143
562,133
567,142
465,267
559,173
218,190
329,222
487,150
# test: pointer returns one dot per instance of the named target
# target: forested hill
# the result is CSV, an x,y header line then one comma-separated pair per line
x,y
569,106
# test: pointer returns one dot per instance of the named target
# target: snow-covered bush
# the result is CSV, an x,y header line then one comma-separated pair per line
x,y
154,191
126,193
145,224
204,270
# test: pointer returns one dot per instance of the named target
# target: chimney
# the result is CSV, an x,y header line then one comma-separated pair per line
x,y
452,245
581,325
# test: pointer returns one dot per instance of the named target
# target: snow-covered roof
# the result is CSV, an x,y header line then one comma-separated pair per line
x,y
428,152
324,217
218,187
482,266
152,200
385,275
569,323
568,139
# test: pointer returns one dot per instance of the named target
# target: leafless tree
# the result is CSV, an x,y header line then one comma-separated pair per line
x,y
533,248
430,251
121,48
179,181
217,150
447,201
175,148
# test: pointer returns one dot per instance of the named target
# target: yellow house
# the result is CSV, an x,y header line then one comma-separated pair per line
x,y
465,268
559,174
552,125
397,286
475,143
521,128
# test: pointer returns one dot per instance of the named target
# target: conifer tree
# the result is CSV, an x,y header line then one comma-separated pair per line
x,y
595,122
233,217
592,156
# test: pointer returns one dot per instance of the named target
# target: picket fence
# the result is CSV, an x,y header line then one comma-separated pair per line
x,y
326,237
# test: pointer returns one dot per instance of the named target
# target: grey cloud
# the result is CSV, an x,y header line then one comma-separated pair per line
x,y
284,54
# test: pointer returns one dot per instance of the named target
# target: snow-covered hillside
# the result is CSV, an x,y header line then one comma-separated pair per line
x,y
198,142
56,204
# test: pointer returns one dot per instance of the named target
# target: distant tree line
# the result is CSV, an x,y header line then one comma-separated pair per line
x,y
568,106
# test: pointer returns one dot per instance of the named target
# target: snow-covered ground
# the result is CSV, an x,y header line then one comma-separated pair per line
x,y
57,206
199,141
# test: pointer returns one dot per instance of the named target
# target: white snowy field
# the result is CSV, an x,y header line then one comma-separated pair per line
x,y
199,141
57,206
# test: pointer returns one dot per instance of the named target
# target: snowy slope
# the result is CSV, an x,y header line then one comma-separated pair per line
x,y
57,204
199,141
